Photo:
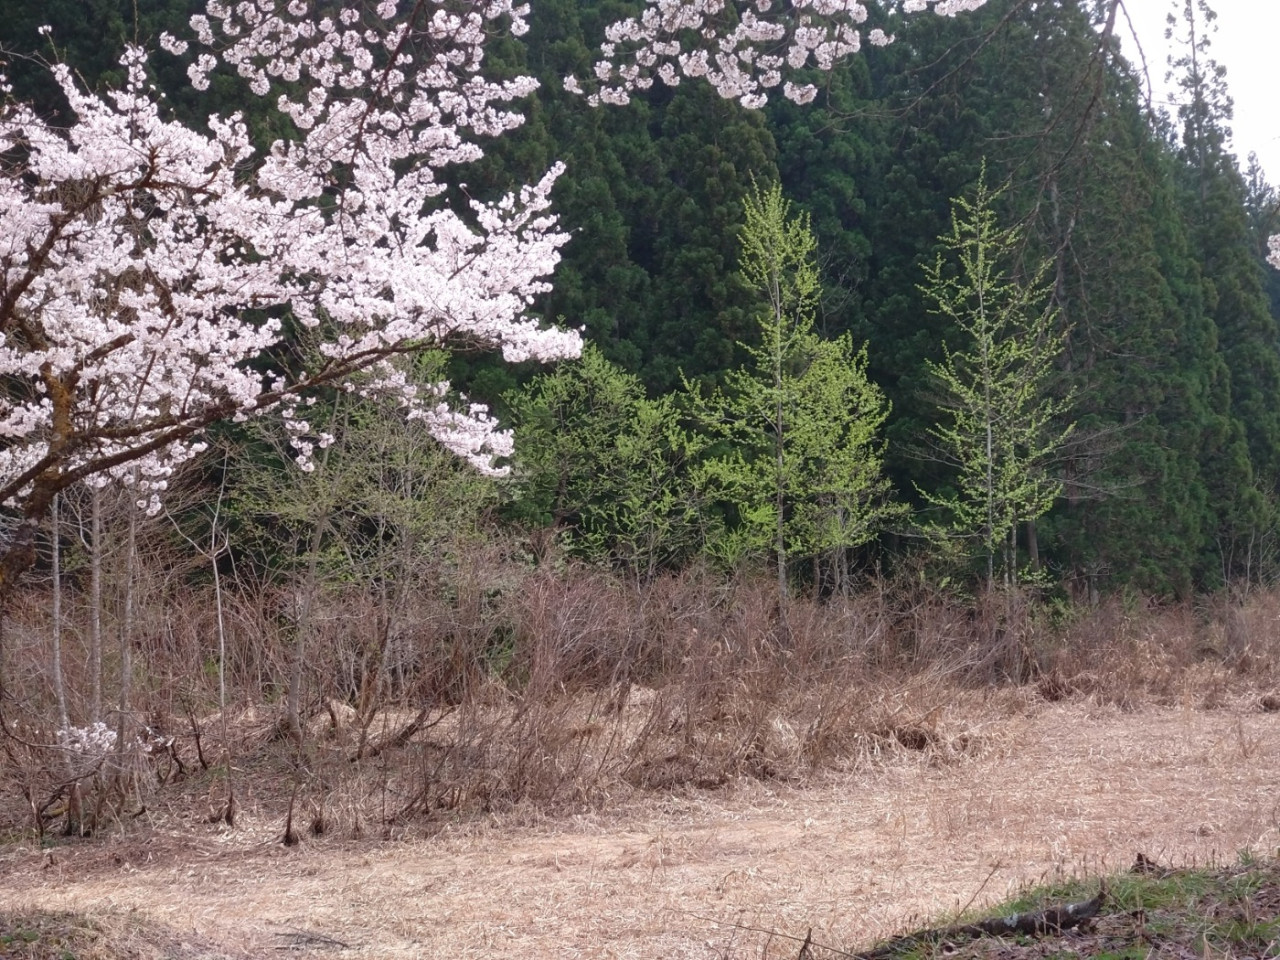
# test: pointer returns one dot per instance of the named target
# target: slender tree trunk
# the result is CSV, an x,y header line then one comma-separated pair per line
x,y
843,585
1011,557
1033,547
404,581
779,451
229,813
95,605
126,627
991,505
373,657
59,685
780,542
293,700
222,627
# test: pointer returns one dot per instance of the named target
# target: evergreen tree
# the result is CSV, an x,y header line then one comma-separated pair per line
x,y
1154,466
1262,207
652,196
615,473
802,473
1248,339
1142,355
1002,429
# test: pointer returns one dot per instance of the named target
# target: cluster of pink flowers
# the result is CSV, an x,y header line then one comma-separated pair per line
x,y
744,50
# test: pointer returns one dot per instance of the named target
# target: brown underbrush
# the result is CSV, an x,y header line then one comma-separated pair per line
x,y
570,691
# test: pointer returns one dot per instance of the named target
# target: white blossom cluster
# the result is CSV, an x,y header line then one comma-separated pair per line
x,y
97,740
88,743
145,266
744,49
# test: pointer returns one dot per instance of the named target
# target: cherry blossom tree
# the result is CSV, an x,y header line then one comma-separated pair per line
x,y
148,270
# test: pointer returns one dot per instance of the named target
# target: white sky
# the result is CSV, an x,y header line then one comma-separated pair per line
x,y
1246,45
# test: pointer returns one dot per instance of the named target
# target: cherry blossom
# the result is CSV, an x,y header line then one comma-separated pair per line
x,y
741,48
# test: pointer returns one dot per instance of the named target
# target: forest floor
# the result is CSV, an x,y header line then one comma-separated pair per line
x,y
1058,790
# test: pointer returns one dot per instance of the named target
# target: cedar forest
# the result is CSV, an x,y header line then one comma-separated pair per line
x,y
976,314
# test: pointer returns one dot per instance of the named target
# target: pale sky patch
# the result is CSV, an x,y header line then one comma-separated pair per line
x,y
1244,44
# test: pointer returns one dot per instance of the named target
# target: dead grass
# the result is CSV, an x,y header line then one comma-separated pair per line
x,y
569,766
858,855
108,935
571,692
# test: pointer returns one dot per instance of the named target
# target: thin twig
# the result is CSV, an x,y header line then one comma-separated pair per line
x,y
298,939
982,886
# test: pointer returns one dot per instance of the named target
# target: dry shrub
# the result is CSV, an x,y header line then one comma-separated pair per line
x,y
1131,652
500,685
78,786
104,935
694,683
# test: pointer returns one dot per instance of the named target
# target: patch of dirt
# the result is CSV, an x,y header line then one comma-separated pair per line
x,y
859,857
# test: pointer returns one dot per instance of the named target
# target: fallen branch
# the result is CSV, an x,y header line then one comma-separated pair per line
x,y
305,939
1033,923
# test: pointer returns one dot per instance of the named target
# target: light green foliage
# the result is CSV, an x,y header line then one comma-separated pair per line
x,y
802,469
1002,427
614,470
381,502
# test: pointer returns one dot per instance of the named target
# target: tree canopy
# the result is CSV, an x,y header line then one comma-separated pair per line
x,y
180,255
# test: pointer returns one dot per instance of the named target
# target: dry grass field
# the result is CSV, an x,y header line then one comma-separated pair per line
x,y
1042,790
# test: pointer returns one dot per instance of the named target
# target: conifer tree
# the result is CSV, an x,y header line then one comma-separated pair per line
x,y
803,471
1242,458
1001,429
